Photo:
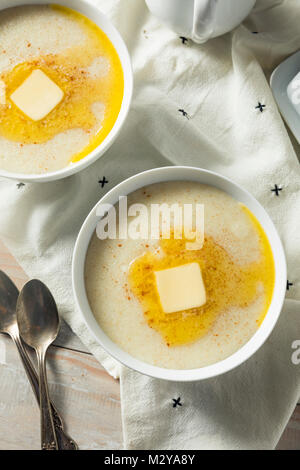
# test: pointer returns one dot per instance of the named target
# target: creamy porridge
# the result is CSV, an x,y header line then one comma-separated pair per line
x,y
61,88
237,270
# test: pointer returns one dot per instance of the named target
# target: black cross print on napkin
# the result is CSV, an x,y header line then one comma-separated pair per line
x,y
103,182
288,285
184,113
184,40
260,106
176,402
276,190
19,185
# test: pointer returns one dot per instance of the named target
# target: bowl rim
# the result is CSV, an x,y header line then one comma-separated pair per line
x,y
94,13
177,173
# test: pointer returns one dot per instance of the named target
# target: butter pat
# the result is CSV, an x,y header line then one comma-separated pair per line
x,y
37,96
180,288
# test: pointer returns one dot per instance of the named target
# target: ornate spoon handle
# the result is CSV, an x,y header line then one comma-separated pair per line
x,y
63,440
48,435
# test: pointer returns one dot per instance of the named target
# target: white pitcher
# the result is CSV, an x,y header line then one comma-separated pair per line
x,y
201,20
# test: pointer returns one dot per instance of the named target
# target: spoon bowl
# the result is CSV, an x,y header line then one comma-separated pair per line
x,y
37,315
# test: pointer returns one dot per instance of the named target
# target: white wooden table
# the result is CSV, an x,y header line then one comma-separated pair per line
x,y
87,396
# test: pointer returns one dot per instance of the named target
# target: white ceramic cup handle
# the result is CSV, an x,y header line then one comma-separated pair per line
x,y
203,23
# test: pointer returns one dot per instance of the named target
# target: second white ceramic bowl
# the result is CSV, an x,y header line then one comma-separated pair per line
x,y
176,174
93,13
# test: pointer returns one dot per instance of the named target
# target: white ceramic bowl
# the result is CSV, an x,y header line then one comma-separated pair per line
x,y
92,12
182,173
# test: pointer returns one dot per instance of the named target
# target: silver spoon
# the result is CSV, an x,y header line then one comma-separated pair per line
x,y
38,323
8,324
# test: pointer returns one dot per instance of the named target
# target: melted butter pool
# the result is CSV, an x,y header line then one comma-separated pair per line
x,y
228,285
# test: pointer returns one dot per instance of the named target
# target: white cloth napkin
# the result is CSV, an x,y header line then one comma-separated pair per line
x,y
194,105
